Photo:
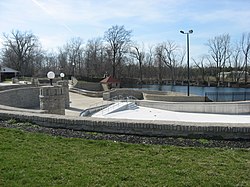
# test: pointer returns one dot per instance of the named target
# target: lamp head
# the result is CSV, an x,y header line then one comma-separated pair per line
x,y
51,75
182,32
190,31
62,75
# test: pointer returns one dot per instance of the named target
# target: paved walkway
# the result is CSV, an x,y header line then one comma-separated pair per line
x,y
81,102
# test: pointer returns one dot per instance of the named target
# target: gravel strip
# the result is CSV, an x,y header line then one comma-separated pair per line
x,y
134,139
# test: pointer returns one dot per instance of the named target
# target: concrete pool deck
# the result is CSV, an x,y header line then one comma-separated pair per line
x,y
80,102
144,113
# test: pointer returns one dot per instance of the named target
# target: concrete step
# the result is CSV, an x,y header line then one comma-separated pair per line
x,y
132,106
119,106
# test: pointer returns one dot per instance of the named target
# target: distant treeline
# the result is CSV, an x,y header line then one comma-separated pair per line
x,y
118,55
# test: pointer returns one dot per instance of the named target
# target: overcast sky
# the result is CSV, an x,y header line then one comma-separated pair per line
x,y
152,21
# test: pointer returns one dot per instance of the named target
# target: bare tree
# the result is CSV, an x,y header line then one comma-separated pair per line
x,y
71,57
149,59
50,63
237,63
169,57
200,64
172,57
219,51
139,54
159,53
74,49
118,39
245,45
180,70
21,51
63,61
94,57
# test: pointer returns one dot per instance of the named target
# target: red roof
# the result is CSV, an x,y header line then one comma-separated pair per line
x,y
110,79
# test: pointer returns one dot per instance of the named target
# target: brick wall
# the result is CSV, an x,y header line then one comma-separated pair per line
x,y
92,86
21,97
146,128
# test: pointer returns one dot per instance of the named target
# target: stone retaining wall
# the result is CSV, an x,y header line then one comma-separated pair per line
x,y
87,93
21,97
91,86
145,128
14,86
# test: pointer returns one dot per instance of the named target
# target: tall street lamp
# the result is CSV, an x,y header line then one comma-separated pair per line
x,y
187,33
73,64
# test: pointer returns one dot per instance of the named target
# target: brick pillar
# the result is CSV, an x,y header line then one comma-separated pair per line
x,y
52,99
65,86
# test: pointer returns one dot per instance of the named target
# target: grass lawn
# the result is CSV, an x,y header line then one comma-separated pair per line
x,y
32,159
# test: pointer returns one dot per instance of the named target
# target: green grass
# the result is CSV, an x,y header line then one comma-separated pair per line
x,y
31,159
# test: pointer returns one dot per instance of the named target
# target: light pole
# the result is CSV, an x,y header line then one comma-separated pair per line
x,y
73,64
187,33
